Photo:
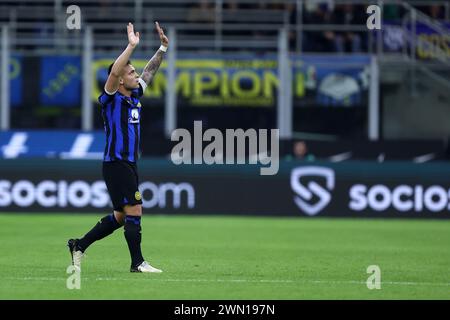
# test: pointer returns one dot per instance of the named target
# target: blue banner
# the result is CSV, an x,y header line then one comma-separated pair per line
x,y
430,44
343,81
60,81
68,145
15,77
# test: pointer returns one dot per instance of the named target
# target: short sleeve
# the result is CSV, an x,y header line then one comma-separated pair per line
x,y
142,87
105,98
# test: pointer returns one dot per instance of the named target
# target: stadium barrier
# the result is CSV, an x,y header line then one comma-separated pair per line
x,y
302,189
82,145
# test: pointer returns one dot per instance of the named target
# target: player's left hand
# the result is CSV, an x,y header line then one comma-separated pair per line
x,y
162,36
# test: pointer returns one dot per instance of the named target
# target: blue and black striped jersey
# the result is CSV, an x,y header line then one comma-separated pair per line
x,y
121,119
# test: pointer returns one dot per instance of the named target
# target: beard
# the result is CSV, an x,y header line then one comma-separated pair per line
x,y
131,86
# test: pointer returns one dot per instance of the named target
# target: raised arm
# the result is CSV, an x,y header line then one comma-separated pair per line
x,y
112,84
153,64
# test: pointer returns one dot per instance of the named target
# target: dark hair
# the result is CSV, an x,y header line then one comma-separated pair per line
x,y
111,65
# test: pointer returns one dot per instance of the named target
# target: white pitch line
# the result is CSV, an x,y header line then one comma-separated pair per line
x,y
397,283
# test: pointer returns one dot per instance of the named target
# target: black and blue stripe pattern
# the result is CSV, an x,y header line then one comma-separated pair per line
x,y
121,119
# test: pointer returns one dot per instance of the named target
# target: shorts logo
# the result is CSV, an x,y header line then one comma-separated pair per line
x,y
137,195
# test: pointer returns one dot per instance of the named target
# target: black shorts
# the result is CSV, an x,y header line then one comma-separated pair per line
x,y
122,181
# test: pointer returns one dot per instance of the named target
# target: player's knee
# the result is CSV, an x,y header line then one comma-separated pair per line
x,y
134,210
120,217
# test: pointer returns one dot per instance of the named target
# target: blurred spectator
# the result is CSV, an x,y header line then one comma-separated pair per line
x,y
201,13
288,12
392,11
318,41
231,5
349,15
436,12
312,5
204,12
291,18
104,10
300,152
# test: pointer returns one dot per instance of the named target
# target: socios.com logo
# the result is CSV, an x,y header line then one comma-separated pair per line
x,y
305,183
79,194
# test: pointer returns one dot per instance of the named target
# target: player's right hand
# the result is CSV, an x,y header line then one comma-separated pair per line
x,y
133,38
162,36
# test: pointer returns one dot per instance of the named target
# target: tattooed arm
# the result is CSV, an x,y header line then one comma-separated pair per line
x,y
153,64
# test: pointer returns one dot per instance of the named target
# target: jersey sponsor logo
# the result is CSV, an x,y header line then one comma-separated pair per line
x,y
134,116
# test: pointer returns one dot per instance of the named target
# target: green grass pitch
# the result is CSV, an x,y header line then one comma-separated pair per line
x,y
229,258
